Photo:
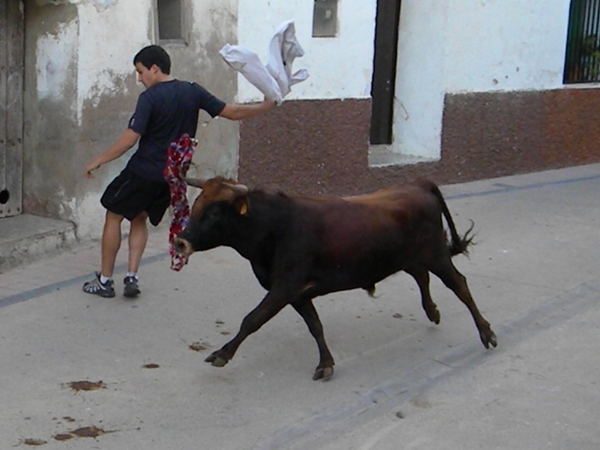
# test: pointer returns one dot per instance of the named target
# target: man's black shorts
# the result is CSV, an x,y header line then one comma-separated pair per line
x,y
129,195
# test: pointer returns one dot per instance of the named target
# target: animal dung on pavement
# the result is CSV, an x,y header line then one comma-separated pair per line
x,y
33,442
86,385
198,346
84,432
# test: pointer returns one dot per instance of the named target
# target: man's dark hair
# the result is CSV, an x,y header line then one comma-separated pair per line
x,y
154,54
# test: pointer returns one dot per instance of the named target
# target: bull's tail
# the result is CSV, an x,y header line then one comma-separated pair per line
x,y
457,244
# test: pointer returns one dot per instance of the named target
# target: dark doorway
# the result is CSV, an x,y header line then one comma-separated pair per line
x,y
384,70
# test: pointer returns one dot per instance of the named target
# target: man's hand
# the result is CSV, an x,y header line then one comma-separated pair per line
x,y
89,167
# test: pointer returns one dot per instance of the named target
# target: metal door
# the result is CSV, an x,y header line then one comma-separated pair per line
x,y
11,106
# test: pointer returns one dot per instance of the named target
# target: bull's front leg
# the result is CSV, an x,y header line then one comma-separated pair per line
x,y
267,309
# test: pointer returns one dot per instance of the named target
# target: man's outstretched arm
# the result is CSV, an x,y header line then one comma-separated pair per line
x,y
127,140
237,111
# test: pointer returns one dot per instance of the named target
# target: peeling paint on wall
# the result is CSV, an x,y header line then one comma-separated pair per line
x,y
108,41
81,89
54,55
107,82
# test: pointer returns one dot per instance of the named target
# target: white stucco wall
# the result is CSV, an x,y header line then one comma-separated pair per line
x,y
506,45
445,46
452,46
339,67
422,56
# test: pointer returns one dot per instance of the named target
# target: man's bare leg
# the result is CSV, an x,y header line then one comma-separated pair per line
x,y
111,242
138,237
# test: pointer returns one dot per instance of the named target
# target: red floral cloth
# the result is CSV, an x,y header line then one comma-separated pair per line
x,y
179,157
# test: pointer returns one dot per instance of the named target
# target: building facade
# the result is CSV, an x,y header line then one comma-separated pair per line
x,y
452,90
479,91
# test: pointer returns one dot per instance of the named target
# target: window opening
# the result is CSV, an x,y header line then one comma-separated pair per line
x,y
325,18
582,56
170,19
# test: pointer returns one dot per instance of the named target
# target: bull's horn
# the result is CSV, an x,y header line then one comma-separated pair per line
x,y
240,189
196,182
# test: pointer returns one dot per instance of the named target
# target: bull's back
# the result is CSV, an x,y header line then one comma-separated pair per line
x,y
414,195
374,231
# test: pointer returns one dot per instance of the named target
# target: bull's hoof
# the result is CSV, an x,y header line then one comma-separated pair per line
x,y
323,373
216,360
489,339
219,362
434,316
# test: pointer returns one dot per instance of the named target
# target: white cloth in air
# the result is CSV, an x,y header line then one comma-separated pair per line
x,y
274,79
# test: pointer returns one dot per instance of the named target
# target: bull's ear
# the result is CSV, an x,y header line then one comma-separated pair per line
x,y
242,205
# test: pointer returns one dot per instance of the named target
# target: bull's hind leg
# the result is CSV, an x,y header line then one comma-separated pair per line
x,y
307,310
457,282
421,276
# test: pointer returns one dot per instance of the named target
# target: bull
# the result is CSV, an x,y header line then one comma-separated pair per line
x,y
302,247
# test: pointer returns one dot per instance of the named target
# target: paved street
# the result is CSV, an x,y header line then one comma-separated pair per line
x,y
83,372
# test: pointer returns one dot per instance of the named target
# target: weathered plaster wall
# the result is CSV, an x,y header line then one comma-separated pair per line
x,y
214,24
81,89
106,95
50,109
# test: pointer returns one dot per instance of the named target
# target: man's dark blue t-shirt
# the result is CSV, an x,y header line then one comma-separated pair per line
x,y
165,112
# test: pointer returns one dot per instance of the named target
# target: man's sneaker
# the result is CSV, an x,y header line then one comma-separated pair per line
x,y
96,287
131,287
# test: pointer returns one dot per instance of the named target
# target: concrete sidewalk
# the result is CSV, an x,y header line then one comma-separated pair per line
x,y
400,381
25,238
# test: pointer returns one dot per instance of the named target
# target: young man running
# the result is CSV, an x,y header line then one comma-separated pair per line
x,y
166,110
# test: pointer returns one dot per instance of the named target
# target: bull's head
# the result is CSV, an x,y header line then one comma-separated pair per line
x,y
220,199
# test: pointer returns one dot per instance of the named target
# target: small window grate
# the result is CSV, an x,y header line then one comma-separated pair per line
x,y
170,19
325,18
582,58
